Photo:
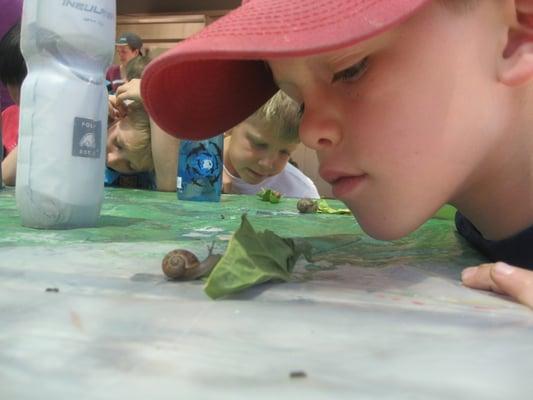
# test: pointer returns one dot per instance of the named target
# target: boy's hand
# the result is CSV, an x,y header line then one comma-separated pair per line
x,y
129,91
502,278
112,111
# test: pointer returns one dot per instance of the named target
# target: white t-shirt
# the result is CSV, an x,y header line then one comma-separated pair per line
x,y
291,182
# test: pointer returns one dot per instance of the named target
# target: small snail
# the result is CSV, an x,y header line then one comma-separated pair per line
x,y
307,206
183,265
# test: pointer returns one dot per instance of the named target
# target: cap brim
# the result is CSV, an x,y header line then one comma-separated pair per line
x,y
212,81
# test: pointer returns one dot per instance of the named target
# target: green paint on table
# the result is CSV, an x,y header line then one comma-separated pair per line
x,y
144,216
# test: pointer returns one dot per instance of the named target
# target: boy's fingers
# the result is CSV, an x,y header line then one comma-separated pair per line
x,y
502,278
122,110
129,91
514,281
480,278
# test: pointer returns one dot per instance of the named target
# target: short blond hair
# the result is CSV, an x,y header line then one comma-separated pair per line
x,y
136,66
280,114
142,146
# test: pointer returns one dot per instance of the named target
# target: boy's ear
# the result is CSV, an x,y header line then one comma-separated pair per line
x,y
517,65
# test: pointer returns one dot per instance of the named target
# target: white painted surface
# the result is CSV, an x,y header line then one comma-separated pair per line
x,y
117,330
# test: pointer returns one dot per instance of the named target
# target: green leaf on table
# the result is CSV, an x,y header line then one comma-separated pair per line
x,y
325,208
269,195
253,258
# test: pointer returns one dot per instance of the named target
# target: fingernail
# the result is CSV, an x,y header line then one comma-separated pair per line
x,y
468,273
502,268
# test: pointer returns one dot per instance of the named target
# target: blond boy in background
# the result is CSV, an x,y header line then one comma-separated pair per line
x,y
257,152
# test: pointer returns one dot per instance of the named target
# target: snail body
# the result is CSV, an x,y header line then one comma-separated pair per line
x,y
182,264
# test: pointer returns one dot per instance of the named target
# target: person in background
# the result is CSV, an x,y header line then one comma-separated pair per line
x,y
12,73
257,152
128,45
10,15
409,104
134,70
139,153
129,138
129,157
5,99
136,66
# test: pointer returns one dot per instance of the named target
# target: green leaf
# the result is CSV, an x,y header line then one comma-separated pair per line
x,y
253,258
270,195
324,208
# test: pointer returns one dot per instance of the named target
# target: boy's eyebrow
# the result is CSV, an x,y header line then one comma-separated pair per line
x,y
124,144
121,143
252,135
135,162
133,166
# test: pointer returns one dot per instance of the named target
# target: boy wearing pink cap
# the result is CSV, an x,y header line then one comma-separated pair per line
x,y
410,105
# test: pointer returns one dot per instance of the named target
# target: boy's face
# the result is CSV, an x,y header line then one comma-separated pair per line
x,y
120,156
254,154
400,122
125,53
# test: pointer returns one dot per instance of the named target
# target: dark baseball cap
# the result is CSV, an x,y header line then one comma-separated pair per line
x,y
130,39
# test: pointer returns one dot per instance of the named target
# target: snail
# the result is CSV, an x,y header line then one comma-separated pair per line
x,y
183,265
307,206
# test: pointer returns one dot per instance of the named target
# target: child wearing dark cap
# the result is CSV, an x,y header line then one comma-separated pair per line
x,y
410,105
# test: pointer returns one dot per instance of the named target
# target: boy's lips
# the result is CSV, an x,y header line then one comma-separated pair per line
x,y
342,183
253,173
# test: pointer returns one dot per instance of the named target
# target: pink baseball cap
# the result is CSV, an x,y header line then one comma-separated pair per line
x,y
215,79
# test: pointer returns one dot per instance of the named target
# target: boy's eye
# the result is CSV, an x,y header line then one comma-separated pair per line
x,y
352,73
117,144
301,110
259,145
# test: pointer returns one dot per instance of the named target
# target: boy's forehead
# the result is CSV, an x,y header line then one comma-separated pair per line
x,y
268,134
331,61
126,132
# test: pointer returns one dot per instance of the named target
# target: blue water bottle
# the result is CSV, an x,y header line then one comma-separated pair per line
x,y
200,167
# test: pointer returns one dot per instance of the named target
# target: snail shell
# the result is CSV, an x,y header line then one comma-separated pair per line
x,y
184,265
177,262
307,206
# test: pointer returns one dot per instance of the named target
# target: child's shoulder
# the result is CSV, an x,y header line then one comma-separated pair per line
x,y
516,250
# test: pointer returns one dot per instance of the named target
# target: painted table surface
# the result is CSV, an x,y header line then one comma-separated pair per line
x,y
366,319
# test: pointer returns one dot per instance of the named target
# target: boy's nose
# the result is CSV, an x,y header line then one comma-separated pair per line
x,y
114,161
320,127
267,163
